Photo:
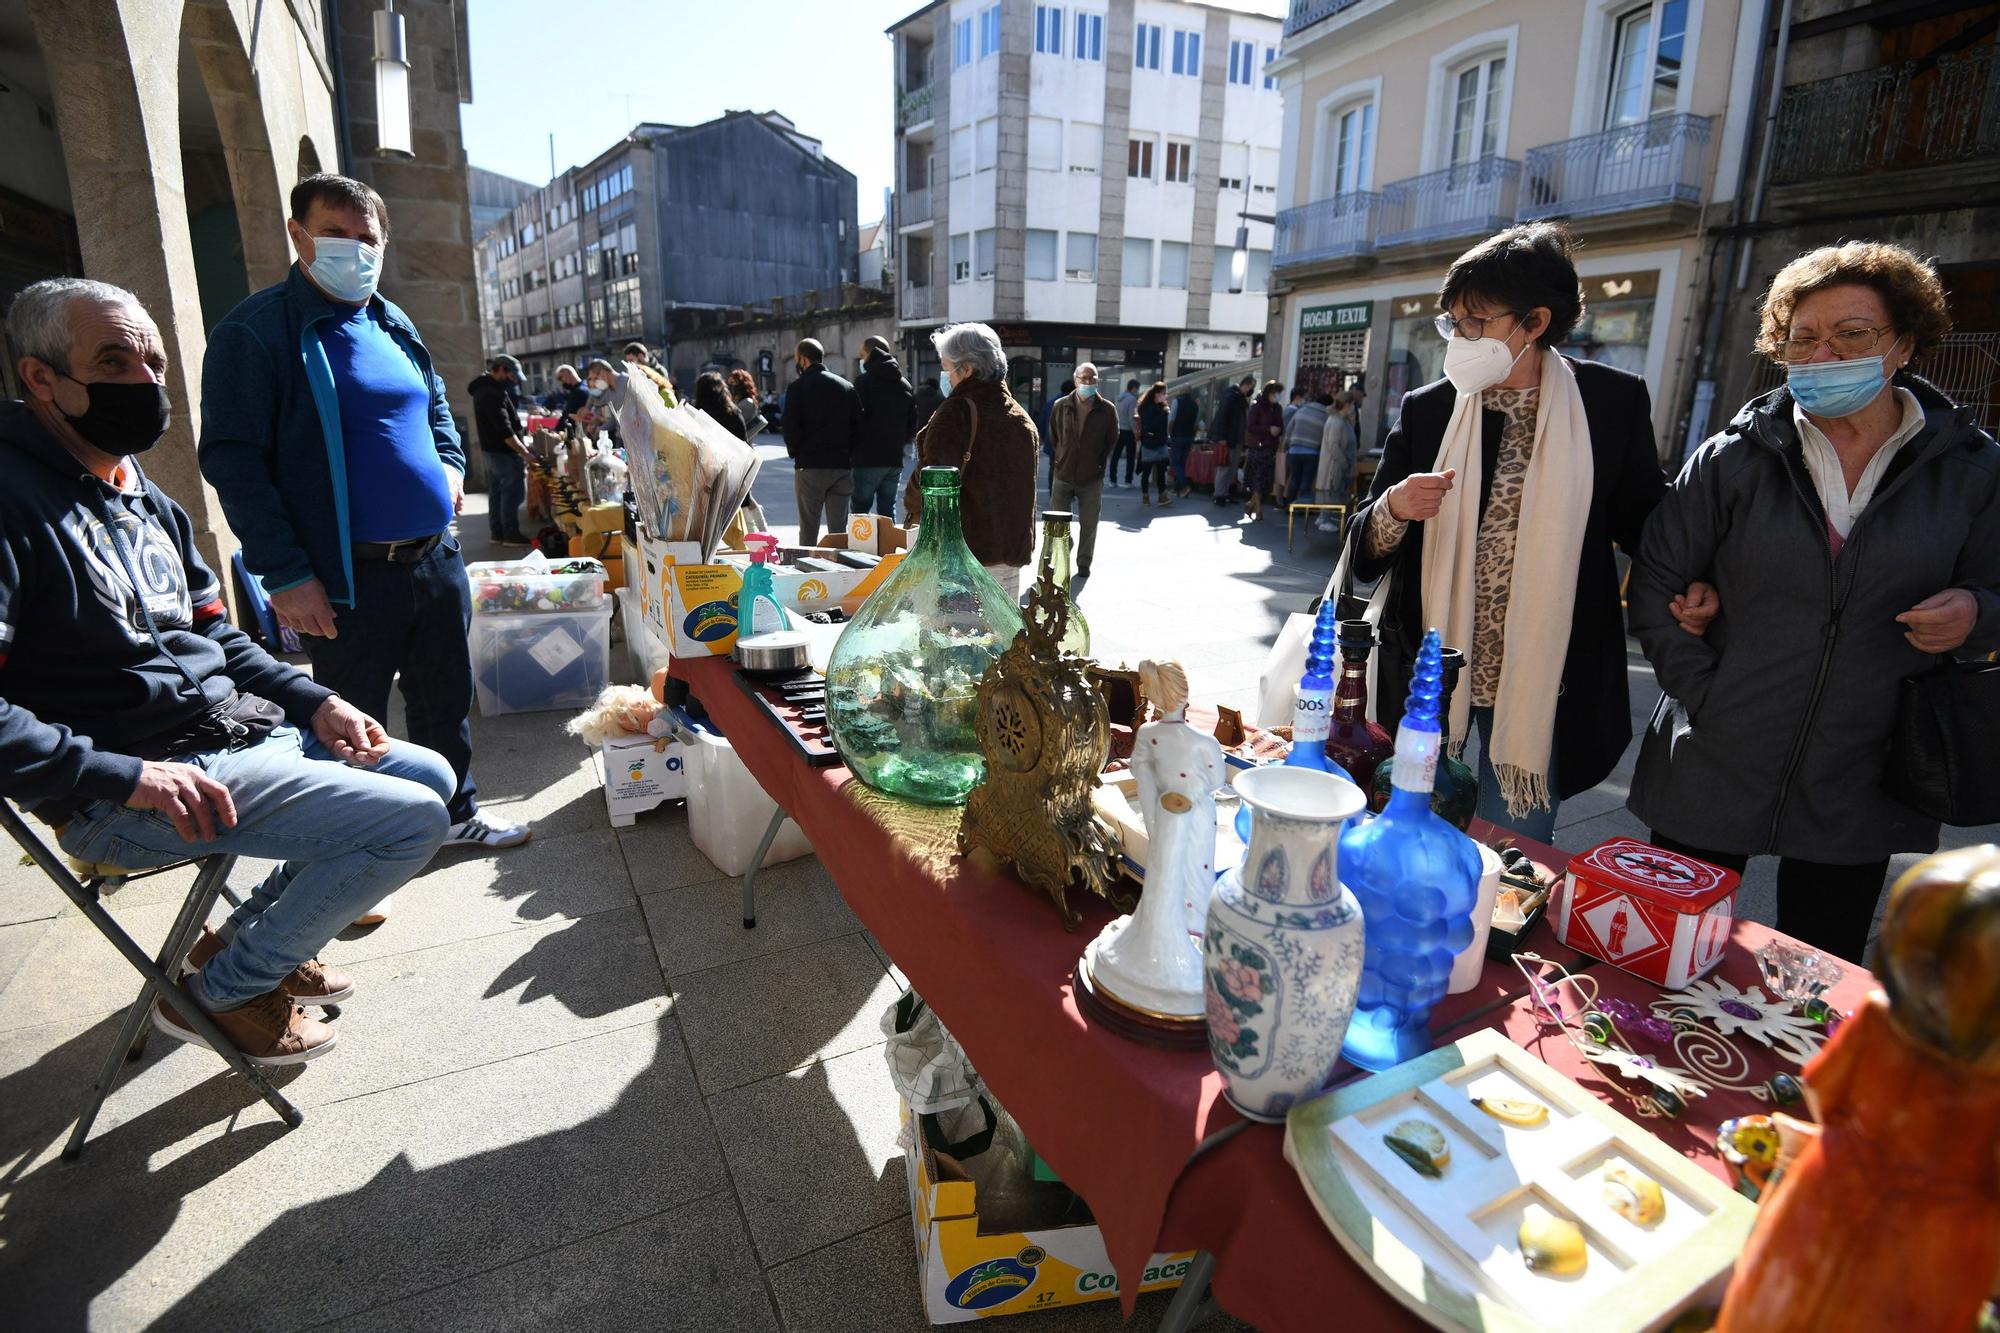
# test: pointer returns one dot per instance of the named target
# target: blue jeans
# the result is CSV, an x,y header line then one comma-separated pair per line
x,y
506,488
1300,470
408,625
875,490
1177,456
348,837
1540,823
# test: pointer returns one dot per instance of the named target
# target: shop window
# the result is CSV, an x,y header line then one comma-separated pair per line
x,y
1617,323
1080,258
1138,261
1330,361
1039,255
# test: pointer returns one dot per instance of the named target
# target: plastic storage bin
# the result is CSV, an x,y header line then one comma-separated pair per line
x,y
728,811
530,587
533,663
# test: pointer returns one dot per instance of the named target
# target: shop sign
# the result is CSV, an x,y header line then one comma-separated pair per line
x,y
1334,318
1217,347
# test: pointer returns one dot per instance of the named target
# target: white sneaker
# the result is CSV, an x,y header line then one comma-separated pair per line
x,y
377,914
485,830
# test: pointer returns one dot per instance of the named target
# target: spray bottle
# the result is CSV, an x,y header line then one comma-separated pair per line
x,y
757,609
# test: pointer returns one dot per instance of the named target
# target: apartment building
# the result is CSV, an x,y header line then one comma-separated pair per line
x,y
1415,127
1094,179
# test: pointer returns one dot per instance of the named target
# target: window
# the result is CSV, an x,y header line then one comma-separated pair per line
x,y
1080,259
1147,52
1180,162
989,31
1045,141
986,144
1219,277
1039,255
961,257
1086,147
1187,53
1242,62
1139,159
961,44
1174,265
1270,54
1259,279
1138,261
1048,29
590,196
1353,149
1478,95
986,250
1089,37
1235,167
1646,63
961,152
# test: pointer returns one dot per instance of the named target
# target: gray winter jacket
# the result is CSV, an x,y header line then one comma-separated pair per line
x,y
1775,726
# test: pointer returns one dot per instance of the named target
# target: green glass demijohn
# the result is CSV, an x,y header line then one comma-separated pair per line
x,y
902,686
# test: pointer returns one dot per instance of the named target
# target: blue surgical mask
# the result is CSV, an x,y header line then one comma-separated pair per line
x,y
1087,390
1836,388
944,383
347,270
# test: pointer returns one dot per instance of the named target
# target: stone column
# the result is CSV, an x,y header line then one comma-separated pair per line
x,y
1010,204
1207,169
940,167
1118,27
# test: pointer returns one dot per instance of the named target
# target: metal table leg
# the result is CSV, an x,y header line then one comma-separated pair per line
x,y
756,862
1191,1305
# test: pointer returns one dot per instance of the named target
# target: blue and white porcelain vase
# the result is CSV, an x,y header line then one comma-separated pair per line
x,y
1282,956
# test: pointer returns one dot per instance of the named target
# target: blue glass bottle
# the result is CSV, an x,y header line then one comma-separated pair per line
x,y
1417,879
1312,707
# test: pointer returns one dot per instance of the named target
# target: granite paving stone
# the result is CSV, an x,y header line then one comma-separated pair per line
x,y
701,925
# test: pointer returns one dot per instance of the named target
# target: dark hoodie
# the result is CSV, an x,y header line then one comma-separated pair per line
x,y
493,416
83,679
888,413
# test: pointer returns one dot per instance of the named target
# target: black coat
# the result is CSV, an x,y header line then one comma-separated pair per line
x,y
1594,712
822,420
1232,419
888,413
493,415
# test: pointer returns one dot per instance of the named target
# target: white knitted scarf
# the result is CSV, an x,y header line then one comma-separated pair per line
x,y
1555,505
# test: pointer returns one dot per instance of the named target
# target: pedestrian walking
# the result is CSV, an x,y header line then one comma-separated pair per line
x,y
1849,522
502,449
929,398
327,437
1303,438
1085,429
1048,436
711,395
888,424
1264,434
1153,446
1181,433
749,408
822,426
1339,451
1127,447
1230,429
981,430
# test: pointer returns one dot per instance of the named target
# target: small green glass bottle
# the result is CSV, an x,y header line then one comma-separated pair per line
x,y
1455,792
903,682
1055,570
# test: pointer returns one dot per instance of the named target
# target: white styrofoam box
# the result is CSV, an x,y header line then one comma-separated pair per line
x,y
542,661
637,777
728,811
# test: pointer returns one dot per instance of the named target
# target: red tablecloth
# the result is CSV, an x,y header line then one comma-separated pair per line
x,y
1118,1121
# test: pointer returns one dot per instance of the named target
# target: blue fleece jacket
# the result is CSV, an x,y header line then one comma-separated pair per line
x,y
271,441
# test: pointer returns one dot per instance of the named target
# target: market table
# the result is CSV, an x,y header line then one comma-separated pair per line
x,y
1142,1134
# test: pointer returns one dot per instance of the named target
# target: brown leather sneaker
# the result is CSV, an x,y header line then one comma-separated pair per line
x,y
270,1030
311,982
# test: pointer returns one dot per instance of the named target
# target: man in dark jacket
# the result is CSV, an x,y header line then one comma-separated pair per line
x,y
142,726
326,435
929,399
502,449
888,424
1085,428
822,426
1230,429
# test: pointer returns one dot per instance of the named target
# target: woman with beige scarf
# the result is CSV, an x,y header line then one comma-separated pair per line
x,y
1494,513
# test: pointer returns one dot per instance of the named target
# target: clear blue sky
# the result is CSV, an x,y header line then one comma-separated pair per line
x,y
589,70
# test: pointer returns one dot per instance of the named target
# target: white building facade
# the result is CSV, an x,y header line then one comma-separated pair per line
x,y
1078,175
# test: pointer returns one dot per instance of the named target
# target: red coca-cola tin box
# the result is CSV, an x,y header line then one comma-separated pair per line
x,y
1657,914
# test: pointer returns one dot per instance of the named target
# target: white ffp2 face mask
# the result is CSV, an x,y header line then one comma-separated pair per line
x,y
1472,364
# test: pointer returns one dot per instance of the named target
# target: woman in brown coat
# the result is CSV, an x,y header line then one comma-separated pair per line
x,y
980,430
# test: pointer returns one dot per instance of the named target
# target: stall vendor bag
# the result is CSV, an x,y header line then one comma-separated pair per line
x,y
1287,659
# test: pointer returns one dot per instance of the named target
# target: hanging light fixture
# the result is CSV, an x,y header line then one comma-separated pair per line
x,y
392,83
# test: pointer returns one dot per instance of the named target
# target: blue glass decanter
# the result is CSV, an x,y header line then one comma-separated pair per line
x,y
1417,879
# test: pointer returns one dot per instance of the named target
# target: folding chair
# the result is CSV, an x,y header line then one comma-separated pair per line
x,y
210,883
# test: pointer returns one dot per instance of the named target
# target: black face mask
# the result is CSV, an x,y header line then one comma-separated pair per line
x,y
123,418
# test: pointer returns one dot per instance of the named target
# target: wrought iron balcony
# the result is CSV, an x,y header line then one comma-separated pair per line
x,y
1924,113
913,107
916,207
1305,13
1652,163
1471,199
1342,227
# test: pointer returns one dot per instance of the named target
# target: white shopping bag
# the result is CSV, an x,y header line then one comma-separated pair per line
x,y
1286,661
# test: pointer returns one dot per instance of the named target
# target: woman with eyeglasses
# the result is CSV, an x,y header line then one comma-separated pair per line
x,y
1850,524
1499,498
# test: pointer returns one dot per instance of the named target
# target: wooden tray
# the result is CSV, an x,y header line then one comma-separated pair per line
x,y
810,739
1446,1247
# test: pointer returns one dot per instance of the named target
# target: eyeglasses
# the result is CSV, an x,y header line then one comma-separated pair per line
x,y
1472,326
1844,342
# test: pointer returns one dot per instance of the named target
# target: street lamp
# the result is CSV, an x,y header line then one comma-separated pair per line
x,y
392,83
1239,258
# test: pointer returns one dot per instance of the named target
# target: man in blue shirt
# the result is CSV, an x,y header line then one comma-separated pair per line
x,y
326,435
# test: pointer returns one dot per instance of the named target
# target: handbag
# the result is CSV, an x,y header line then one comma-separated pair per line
x,y
1286,661
1947,732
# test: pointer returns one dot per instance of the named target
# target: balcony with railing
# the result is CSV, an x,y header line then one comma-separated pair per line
x,y
1926,113
913,107
916,207
1656,164
1305,13
1470,199
1327,230
917,302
